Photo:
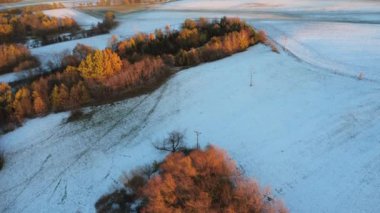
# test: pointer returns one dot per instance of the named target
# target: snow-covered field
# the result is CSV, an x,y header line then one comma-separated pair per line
x,y
84,20
344,48
307,127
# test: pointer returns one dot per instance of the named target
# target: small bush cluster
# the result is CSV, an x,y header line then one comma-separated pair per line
x,y
75,115
2,160
200,181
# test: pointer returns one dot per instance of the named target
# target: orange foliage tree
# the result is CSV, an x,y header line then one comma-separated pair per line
x,y
15,57
100,65
195,181
204,181
23,104
39,104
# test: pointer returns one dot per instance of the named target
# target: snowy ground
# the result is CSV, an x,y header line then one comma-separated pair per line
x,y
84,20
304,132
308,127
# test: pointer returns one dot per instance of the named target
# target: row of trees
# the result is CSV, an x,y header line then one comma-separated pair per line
x,y
136,65
37,101
217,48
92,79
16,27
16,57
193,34
190,181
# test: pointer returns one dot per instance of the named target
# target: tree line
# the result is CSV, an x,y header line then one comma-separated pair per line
x,y
16,57
18,24
133,66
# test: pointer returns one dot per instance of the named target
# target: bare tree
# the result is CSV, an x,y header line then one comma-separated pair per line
x,y
173,143
112,42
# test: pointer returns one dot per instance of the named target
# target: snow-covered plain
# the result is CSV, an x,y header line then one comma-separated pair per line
x,y
307,127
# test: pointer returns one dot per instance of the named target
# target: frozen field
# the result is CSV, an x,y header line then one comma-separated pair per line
x,y
306,133
307,127
344,48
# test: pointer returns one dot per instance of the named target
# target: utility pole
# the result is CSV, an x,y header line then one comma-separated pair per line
x,y
197,133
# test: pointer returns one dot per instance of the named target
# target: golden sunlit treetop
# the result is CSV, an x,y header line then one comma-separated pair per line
x,y
100,65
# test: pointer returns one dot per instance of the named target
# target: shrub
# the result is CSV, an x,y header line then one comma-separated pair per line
x,y
115,202
75,115
2,160
139,177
